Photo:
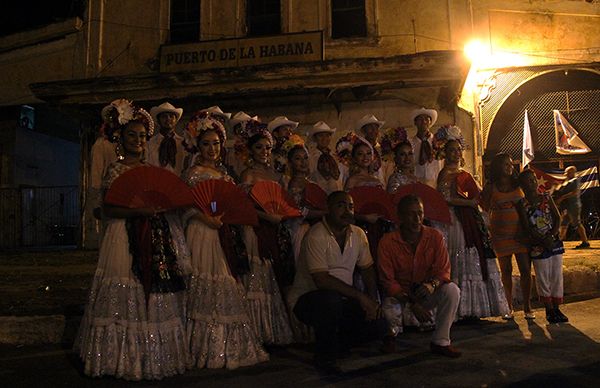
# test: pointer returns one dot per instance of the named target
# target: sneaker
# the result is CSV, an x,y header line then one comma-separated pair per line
x,y
529,315
446,351
560,316
583,245
389,345
509,316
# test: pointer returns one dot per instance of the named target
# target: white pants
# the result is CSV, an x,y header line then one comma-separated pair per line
x,y
445,300
549,279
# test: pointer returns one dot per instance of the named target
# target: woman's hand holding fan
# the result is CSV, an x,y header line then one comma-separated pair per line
x,y
274,200
224,202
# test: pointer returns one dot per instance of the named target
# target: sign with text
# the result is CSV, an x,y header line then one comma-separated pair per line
x,y
302,47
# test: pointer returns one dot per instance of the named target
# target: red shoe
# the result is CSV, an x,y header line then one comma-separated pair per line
x,y
446,351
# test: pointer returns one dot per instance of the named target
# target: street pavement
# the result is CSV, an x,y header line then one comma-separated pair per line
x,y
495,354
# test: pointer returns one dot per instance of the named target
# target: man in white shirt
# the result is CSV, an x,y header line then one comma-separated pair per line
x,y
165,149
427,167
323,296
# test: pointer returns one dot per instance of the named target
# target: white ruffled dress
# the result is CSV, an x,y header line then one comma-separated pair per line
x,y
267,309
478,297
122,334
219,332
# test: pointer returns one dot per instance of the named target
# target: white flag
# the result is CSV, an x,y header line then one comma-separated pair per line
x,y
567,138
527,142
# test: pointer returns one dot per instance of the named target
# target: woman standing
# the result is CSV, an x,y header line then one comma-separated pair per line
x,y
361,175
404,171
298,165
133,328
499,197
268,312
218,330
472,259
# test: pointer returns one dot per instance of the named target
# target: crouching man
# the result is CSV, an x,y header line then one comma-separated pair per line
x,y
323,296
414,272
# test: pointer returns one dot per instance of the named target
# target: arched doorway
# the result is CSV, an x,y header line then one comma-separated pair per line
x,y
576,93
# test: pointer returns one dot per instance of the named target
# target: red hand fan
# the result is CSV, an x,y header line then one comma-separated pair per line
x,y
149,186
274,200
434,204
466,186
373,200
315,196
216,196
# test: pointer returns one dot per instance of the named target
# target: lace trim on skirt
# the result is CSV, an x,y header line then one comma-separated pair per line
x,y
218,329
122,336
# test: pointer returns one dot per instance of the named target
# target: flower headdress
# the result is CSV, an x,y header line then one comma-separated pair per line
x,y
390,140
198,124
293,142
345,144
442,136
254,127
280,156
120,112
343,147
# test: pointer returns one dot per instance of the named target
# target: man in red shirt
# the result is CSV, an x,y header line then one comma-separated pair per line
x,y
414,269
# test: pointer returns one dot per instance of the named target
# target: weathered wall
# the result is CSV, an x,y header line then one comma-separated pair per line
x,y
123,38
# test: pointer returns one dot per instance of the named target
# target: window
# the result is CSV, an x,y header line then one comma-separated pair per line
x,y
185,21
263,17
348,19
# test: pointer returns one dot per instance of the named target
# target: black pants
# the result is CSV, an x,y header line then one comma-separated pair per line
x,y
339,322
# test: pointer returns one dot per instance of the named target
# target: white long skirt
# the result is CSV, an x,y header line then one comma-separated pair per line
x,y
122,334
218,328
478,297
268,312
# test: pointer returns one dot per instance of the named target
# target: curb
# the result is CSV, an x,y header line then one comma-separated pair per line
x,y
57,329
30,330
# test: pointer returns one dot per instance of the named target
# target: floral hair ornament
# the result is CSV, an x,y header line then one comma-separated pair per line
x,y
119,113
390,139
346,144
293,142
343,147
200,122
255,127
280,156
442,136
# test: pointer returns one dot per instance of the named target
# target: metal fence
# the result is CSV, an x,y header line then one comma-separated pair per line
x,y
39,216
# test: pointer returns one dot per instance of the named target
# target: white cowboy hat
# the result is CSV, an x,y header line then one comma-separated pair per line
x,y
368,119
241,117
279,121
165,107
423,111
319,127
215,110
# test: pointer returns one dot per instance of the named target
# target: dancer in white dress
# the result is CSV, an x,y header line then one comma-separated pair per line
x,y
134,329
472,259
267,309
218,329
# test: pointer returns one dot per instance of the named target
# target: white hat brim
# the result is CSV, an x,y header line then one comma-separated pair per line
x,y
157,110
362,123
422,111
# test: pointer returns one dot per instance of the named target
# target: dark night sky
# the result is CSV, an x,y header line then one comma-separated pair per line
x,y
23,15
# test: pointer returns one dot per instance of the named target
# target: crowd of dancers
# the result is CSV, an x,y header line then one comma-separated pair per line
x,y
180,289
